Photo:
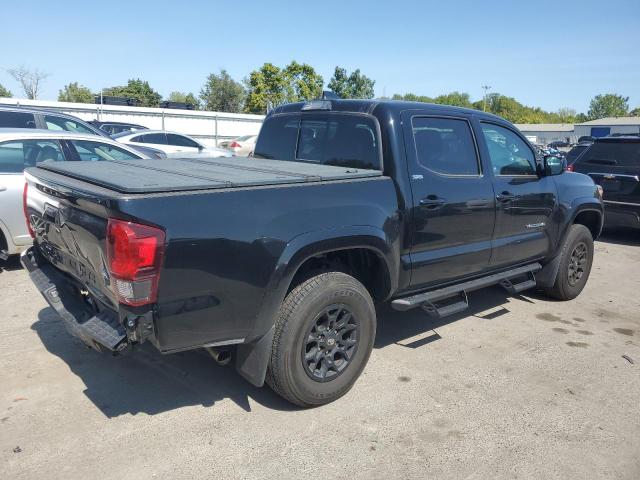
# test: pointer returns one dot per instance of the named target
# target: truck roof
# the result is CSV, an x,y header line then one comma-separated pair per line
x,y
369,106
182,174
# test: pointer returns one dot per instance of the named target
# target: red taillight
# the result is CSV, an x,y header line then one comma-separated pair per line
x,y
134,253
570,168
26,210
234,145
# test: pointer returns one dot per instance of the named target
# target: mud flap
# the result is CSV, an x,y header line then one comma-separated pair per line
x,y
546,277
252,359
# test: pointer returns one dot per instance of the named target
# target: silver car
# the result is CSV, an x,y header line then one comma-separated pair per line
x,y
21,148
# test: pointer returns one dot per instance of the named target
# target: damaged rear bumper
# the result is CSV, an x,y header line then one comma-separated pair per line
x,y
100,331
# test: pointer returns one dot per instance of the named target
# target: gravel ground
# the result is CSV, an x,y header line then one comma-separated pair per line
x,y
517,387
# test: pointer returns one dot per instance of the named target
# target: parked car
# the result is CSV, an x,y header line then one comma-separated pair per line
x,y
560,145
575,152
172,143
22,148
586,138
113,128
614,163
241,146
278,259
22,117
19,117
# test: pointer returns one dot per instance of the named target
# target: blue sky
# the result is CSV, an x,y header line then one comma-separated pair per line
x,y
550,54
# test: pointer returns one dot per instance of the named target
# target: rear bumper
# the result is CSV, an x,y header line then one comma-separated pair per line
x,y
100,331
620,214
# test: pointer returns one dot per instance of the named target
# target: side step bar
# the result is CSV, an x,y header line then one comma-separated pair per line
x,y
428,300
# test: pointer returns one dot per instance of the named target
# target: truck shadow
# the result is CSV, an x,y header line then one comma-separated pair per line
x,y
12,263
149,382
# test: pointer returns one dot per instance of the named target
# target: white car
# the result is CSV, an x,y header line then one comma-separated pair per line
x,y
241,146
21,148
172,143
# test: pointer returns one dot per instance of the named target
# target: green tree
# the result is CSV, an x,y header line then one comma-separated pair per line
x,y
303,83
221,93
4,92
412,97
634,113
75,93
270,86
355,85
138,89
608,105
182,97
457,99
567,115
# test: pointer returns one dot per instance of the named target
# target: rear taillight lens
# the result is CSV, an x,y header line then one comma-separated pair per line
x,y
134,253
570,168
26,210
234,145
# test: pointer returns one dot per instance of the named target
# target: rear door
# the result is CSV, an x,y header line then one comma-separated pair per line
x,y
453,202
525,200
15,156
155,140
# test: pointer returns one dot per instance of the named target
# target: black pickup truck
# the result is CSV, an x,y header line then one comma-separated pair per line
x,y
280,259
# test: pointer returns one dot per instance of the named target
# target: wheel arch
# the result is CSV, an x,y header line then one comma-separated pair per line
x,y
252,357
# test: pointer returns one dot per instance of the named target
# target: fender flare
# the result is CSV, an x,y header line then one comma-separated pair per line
x,y
252,358
547,276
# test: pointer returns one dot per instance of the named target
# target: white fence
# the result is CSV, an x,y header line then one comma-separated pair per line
x,y
209,127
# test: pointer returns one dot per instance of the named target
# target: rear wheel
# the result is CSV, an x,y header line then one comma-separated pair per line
x,y
575,264
323,338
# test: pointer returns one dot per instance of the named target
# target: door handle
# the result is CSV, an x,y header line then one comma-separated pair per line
x,y
432,202
2,188
505,197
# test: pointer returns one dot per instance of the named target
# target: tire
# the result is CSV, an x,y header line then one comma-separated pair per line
x,y
301,330
568,285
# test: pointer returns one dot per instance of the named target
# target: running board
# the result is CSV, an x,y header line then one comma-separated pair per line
x,y
428,300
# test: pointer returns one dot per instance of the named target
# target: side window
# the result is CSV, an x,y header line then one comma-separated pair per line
x,y
15,156
180,141
66,124
17,120
155,138
278,138
509,154
445,146
97,151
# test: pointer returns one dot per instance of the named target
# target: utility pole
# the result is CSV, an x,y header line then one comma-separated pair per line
x,y
486,88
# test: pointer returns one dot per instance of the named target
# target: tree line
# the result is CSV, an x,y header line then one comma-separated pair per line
x,y
270,86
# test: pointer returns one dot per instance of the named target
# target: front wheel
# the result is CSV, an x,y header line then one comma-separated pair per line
x,y
323,337
575,264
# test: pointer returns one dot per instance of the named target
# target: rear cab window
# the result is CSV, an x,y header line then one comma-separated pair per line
x,y
338,139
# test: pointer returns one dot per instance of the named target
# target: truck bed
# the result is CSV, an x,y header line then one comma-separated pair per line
x,y
185,174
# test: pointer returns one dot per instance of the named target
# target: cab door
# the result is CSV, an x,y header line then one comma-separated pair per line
x,y
453,208
525,200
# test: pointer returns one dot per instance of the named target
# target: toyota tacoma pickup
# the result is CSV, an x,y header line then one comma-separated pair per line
x,y
280,259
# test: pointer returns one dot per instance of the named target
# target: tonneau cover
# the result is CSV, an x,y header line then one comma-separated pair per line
x,y
180,174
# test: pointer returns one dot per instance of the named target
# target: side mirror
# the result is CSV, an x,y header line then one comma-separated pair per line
x,y
200,148
554,165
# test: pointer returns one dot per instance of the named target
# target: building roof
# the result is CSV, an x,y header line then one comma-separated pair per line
x,y
613,121
544,127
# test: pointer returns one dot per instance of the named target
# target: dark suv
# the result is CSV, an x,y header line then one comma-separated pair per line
x,y
614,164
